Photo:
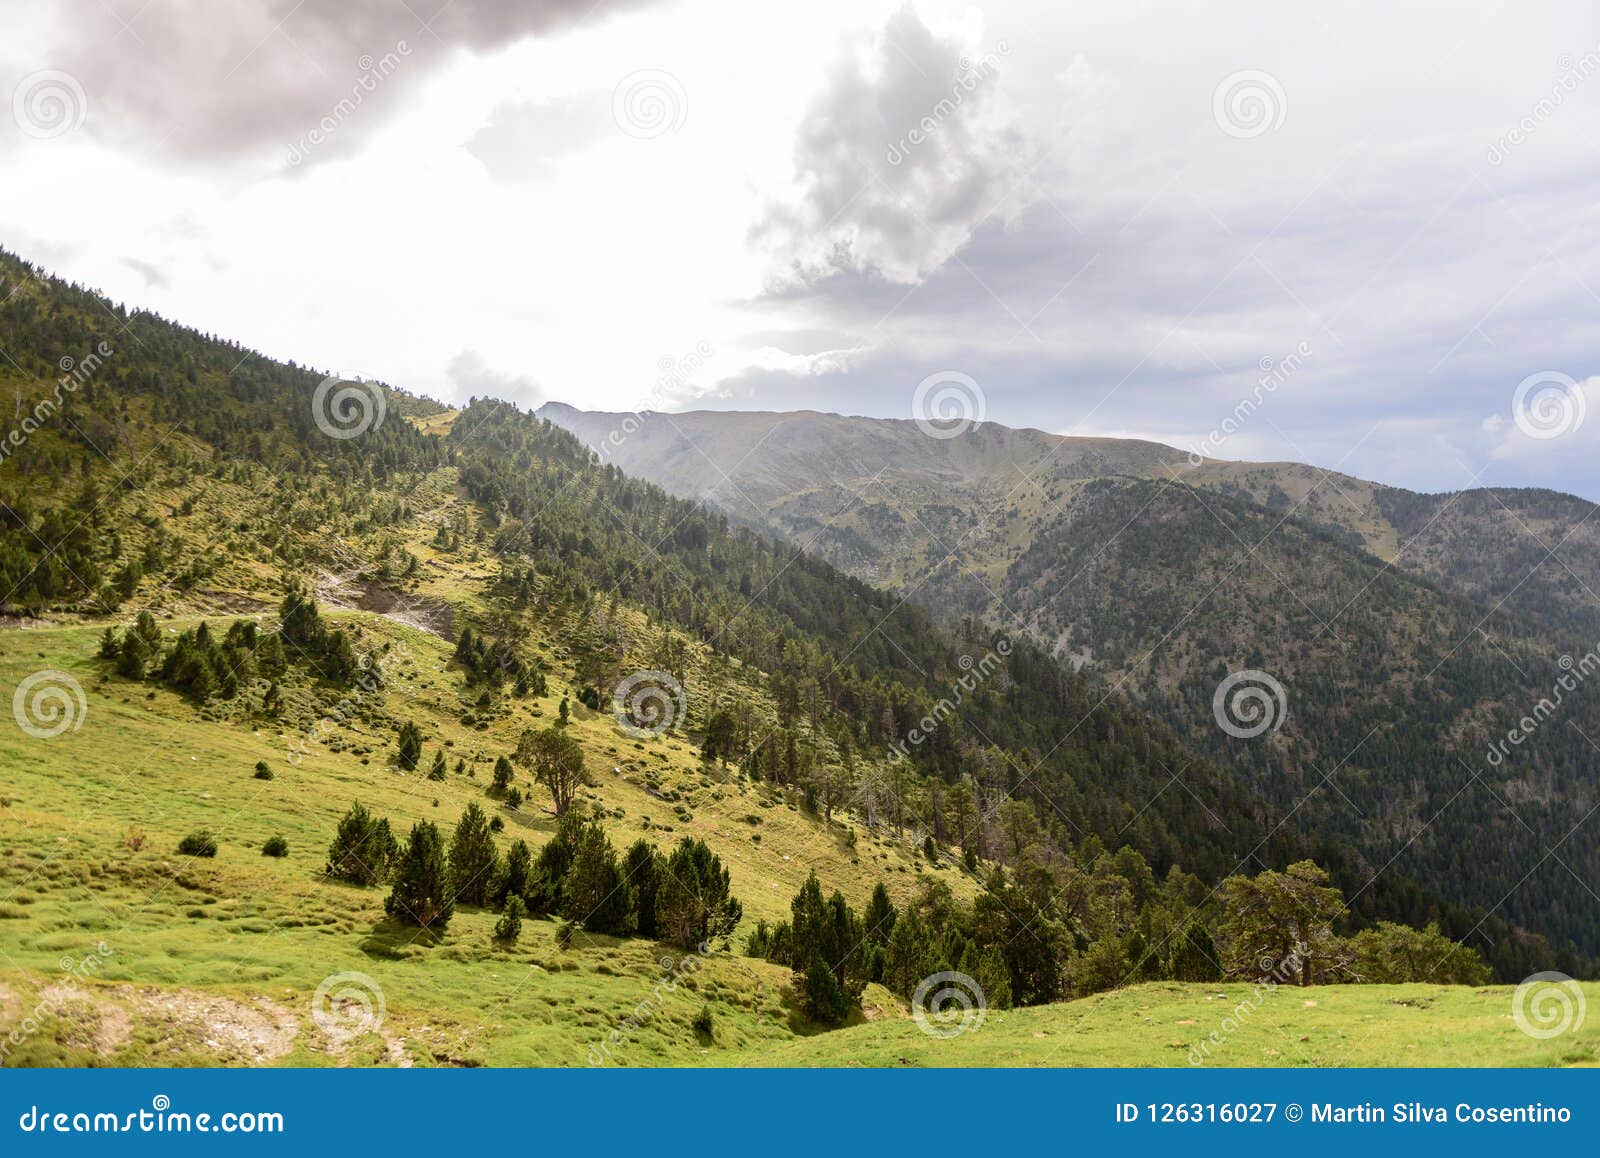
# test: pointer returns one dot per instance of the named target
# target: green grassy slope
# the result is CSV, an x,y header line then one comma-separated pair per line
x,y
244,940
1165,1024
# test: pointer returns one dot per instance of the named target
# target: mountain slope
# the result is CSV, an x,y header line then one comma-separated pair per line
x,y
1410,632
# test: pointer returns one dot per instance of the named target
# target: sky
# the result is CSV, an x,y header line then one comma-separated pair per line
x,y
1362,237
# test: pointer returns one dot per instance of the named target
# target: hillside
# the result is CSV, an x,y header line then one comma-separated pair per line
x,y
241,598
1408,632
884,501
1161,1025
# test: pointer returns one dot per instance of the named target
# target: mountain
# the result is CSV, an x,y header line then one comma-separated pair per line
x,y
241,598
1402,635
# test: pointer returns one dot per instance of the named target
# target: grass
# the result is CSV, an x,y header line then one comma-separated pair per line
x,y
90,822
1166,1024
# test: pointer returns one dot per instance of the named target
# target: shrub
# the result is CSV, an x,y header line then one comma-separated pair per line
x,y
509,927
200,843
275,846
705,1022
262,771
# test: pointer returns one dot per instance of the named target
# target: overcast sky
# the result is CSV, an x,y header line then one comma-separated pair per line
x,y
1111,218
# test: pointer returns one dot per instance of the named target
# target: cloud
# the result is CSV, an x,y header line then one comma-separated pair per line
x,y
221,82
1551,425
895,161
473,377
153,275
526,140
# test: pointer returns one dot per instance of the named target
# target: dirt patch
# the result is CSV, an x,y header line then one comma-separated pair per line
x,y
430,615
85,1021
234,1031
351,594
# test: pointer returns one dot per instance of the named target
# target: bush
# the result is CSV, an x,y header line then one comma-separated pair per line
x,y
275,846
262,771
200,843
705,1022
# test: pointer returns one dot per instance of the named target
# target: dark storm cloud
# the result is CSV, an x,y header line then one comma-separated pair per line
x,y
894,162
222,81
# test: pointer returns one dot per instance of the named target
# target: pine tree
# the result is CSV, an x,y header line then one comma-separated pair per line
x,y
509,927
595,893
474,861
502,776
518,872
422,894
643,872
550,869
363,848
437,769
878,921
909,956
693,903
410,746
